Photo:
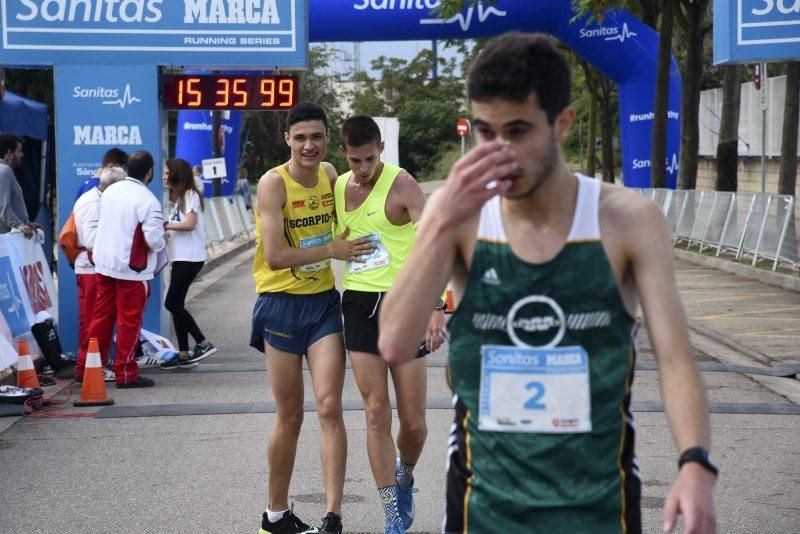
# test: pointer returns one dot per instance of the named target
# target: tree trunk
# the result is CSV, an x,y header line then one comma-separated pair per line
x,y
607,128
728,147
649,12
658,152
691,81
591,86
788,175
591,156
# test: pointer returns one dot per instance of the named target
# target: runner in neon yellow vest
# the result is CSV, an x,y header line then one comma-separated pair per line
x,y
383,202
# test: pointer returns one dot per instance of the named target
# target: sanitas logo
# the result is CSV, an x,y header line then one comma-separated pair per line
x,y
671,164
109,96
609,33
91,10
769,7
463,19
107,135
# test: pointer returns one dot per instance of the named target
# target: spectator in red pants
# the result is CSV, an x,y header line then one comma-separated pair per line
x,y
86,212
122,291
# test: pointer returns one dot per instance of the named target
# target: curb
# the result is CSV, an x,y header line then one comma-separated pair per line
x,y
783,281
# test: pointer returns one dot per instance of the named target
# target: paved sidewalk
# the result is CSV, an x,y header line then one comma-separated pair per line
x,y
189,474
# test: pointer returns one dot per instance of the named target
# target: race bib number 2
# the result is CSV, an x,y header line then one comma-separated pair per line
x,y
534,390
379,258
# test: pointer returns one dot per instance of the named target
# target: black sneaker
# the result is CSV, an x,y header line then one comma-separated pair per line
x,y
201,352
331,524
288,524
176,362
140,382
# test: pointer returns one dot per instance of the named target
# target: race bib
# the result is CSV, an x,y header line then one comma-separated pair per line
x,y
534,390
316,241
379,258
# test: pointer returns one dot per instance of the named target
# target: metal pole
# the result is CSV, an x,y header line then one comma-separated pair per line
x,y
215,152
462,146
763,127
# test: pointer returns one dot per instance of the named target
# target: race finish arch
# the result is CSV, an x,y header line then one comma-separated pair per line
x,y
622,47
108,57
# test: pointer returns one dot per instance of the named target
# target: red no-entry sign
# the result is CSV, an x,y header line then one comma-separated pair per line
x,y
463,127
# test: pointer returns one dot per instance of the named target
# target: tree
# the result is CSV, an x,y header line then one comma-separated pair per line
x,y
692,16
728,146
791,113
658,152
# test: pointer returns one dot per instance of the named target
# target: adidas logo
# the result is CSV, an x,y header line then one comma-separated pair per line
x,y
490,277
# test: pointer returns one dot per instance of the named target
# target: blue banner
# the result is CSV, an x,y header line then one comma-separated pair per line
x,y
98,109
622,47
156,32
13,307
195,142
749,31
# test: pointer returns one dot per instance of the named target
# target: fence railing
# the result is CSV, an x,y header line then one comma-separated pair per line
x,y
226,218
760,226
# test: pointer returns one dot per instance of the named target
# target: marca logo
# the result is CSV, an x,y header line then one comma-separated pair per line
x,y
33,276
231,12
109,96
121,135
608,33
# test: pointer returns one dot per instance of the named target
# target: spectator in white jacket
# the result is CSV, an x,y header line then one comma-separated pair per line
x,y
122,291
86,211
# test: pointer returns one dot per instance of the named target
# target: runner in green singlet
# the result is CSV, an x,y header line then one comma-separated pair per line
x,y
549,269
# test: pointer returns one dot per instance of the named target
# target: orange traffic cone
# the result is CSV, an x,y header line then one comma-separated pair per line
x,y
26,372
450,300
93,392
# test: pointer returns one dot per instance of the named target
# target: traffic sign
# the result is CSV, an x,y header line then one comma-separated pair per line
x,y
463,127
214,168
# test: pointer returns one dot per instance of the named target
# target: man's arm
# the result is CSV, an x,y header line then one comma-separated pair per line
x,y
10,218
153,225
650,251
277,254
422,279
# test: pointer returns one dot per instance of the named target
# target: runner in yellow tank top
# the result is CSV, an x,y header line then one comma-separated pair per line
x,y
298,312
384,202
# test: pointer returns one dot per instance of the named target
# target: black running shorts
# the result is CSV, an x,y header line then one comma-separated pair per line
x,y
360,310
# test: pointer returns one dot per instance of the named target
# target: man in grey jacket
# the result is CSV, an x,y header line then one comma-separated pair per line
x,y
13,213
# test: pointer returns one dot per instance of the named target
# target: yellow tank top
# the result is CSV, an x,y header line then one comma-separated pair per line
x,y
394,243
308,217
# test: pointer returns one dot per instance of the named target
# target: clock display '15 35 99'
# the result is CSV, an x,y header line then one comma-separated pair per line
x,y
246,92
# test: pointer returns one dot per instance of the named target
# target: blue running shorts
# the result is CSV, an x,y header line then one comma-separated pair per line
x,y
292,323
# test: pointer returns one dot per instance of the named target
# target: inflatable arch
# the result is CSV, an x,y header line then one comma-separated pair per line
x,y
622,47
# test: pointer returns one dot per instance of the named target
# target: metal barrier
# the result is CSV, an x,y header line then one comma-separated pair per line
x,y
226,218
764,227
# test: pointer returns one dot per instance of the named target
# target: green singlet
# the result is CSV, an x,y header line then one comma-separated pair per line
x,y
541,365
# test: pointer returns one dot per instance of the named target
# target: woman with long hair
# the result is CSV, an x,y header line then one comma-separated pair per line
x,y
188,243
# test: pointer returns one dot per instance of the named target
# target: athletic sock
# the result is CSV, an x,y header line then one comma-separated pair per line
x,y
404,474
389,500
274,517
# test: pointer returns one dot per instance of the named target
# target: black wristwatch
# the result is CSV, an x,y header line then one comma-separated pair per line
x,y
702,457
441,306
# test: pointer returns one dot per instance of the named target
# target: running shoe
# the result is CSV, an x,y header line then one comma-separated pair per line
x,y
288,524
201,352
176,362
108,375
394,528
331,524
405,504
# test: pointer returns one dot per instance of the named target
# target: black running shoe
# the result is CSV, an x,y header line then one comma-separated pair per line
x,y
140,382
201,352
288,524
331,524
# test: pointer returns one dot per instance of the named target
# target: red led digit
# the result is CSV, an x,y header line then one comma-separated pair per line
x,y
240,93
286,88
224,93
268,92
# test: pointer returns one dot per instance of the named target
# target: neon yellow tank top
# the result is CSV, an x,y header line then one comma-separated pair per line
x,y
307,222
394,242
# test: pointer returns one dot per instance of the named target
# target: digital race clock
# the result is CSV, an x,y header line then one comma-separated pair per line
x,y
253,92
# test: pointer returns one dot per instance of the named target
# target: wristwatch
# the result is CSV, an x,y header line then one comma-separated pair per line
x,y
702,457
442,305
